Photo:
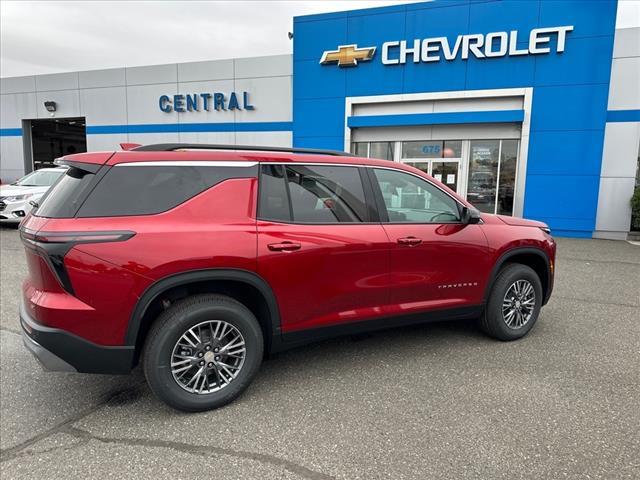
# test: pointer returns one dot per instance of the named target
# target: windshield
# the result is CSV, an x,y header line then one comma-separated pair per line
x,y
40,178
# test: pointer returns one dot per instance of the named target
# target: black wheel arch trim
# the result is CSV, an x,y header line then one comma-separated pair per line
x,y
504,258
193,276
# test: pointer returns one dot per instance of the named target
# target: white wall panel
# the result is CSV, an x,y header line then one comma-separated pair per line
x,y
104,106
271,97
150,138
627,43
97,143
67,103
614,210
620,151
11,159
18,84
268,139
16,107
57,81
152,74
221,138
112,77
142,103
198,71
270,66
624,91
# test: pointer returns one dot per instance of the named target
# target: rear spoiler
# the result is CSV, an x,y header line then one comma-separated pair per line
x,y
85,167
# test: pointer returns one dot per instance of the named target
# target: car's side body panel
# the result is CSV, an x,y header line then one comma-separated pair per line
x,y
339,274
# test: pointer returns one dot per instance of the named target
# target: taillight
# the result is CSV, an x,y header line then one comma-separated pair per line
x,y
53,246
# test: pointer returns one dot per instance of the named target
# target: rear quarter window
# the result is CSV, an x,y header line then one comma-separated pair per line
x,y
65,196
145,190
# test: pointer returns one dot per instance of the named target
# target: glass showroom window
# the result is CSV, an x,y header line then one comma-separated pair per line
x,y
360,149
382,150
492,175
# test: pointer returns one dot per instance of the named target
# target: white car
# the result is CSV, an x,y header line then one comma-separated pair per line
x,y
15,198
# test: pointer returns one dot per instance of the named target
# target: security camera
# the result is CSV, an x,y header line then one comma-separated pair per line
x,y
50,106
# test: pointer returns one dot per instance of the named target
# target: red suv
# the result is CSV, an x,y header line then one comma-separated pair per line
x,y
197,260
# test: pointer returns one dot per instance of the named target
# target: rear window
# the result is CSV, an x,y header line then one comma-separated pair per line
x,y
63,199
146,190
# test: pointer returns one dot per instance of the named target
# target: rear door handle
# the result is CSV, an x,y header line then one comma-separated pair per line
x,y
410,241
284,247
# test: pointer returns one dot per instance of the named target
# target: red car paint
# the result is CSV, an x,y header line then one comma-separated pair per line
x,y
320,275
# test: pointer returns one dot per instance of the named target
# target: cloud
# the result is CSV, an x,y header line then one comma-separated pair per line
x,y
55,36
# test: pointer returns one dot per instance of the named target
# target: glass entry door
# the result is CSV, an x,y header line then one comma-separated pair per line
x,y
444,170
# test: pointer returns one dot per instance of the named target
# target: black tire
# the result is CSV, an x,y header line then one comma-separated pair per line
x,y
492,321
173,323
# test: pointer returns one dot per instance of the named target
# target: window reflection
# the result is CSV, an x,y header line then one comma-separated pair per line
x,y
382,150
483,174
508,159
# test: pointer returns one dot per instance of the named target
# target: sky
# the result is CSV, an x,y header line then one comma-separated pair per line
x,y
61,36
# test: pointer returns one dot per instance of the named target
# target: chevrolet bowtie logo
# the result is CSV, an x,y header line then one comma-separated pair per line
x,y
347,55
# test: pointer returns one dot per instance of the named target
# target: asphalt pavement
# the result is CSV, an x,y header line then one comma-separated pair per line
x,y
438,401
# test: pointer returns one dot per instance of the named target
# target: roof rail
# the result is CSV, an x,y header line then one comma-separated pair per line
x,y
169,147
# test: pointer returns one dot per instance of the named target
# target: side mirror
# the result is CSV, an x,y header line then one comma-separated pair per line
x,y
470,216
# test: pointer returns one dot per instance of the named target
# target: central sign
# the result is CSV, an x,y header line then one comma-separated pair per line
x,y
478,45
194,102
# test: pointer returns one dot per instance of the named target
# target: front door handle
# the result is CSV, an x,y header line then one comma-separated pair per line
x,y
284,247
410,241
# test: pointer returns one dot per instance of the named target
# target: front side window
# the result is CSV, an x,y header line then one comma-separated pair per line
x,y
409,199
312,194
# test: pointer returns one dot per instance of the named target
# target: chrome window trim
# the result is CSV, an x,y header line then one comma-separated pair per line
x,y
195,163
321,164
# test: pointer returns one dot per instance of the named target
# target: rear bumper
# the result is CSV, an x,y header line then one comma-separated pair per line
x,y
62,351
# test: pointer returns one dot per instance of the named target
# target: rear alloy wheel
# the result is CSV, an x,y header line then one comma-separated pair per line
x,y
203,352
208,357
513,304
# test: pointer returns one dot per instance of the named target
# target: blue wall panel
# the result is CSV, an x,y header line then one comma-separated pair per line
x,y
576,152
585,61
570,89
572,107
507,15
591,18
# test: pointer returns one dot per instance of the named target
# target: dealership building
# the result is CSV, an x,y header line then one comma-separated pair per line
x,y
528,108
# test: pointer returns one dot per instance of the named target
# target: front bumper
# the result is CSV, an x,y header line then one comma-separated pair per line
x,y
62,351
14,212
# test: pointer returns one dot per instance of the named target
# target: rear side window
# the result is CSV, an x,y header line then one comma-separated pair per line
x,y
149,189
312,194
63,199
274,201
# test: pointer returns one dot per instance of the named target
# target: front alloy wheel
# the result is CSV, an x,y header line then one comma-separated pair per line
x,y
518,304
513,304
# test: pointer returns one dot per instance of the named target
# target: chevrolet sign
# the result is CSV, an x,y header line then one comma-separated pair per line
x,y
478,45
347,55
